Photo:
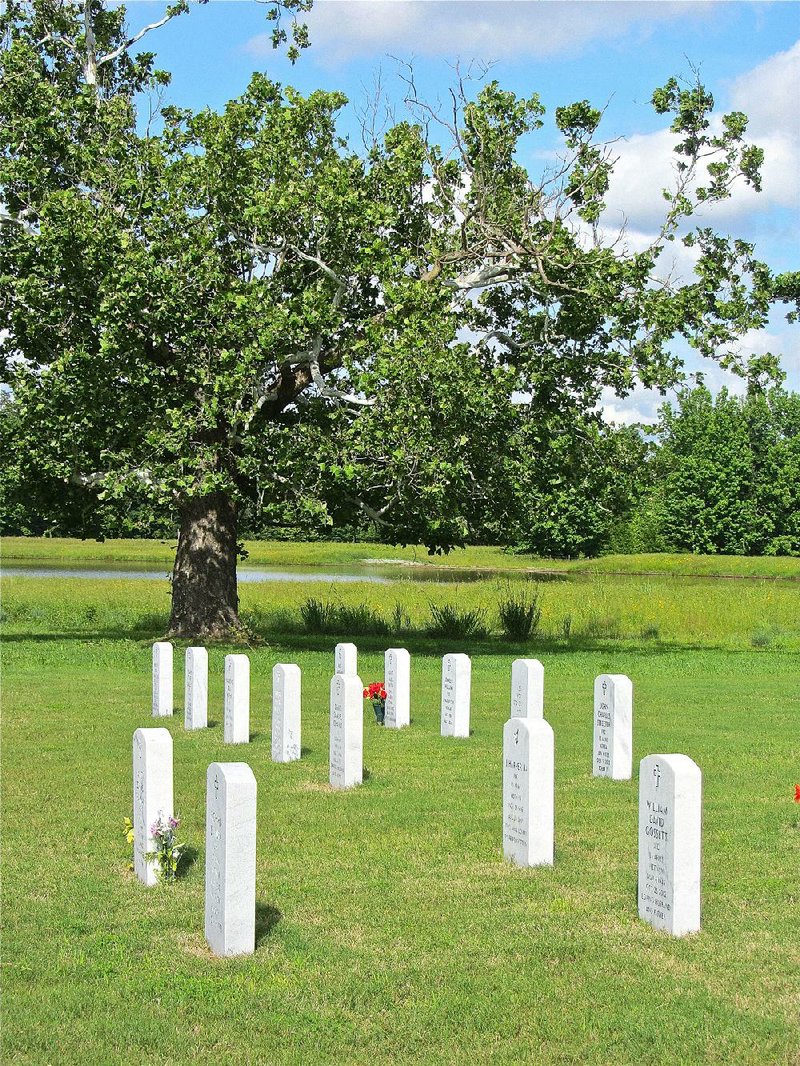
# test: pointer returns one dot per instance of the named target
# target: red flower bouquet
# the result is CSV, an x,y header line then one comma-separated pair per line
x,y
376,694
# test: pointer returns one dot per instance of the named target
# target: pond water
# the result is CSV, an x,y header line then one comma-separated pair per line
x,y
380,574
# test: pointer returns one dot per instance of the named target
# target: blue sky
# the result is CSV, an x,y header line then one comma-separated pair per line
x,y
614,53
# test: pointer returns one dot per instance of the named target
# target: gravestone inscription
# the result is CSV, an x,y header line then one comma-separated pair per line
x,y
670,828
397,674
613,727
456,684
527,689
346,731
345,659
528,792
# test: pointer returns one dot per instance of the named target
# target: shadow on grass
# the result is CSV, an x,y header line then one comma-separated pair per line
x,y
417,644
186,862
267,918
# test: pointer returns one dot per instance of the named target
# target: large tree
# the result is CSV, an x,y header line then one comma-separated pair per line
x,y
237,304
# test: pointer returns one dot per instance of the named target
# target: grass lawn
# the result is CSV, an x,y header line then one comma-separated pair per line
x,y
388,925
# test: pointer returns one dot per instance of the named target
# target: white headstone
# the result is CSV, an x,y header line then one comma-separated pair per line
x,y
670,819
456,682
528,789
162,679
613,726
285,712
347,731
397,674
152,795
230,858
237,699
527,689
195,704
345,659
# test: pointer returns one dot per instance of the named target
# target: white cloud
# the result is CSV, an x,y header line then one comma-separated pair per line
x,y
768,94
492,29
640,406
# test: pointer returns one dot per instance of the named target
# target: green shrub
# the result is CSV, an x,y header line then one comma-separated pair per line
x,y
359,619
449,621
316,615
520,613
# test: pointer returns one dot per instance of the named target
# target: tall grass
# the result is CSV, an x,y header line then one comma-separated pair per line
x,y
520,612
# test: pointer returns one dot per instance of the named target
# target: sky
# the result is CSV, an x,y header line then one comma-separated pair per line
x,y
612,52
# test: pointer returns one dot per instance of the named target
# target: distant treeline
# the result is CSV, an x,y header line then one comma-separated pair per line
x,y
715,475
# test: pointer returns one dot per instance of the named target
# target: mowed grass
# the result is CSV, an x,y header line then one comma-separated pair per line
x,y
388,925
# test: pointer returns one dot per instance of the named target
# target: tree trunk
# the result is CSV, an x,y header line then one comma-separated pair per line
x,y
205,602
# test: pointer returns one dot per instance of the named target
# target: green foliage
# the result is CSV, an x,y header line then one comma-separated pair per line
x,y
449,622
321,616
728,473
520,612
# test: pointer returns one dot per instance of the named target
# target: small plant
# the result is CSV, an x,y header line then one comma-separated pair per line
x,y
401,619
376,694
650,633
566,626
129,837
359,619
167,851
520,613
316,615
448,621
765,636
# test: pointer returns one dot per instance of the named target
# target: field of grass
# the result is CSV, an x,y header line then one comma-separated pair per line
x,y
388,926
332,554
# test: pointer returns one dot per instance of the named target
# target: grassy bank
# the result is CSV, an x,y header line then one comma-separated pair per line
x,y
586,612
330,554
388,926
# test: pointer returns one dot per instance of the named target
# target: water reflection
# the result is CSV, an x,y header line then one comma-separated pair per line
x,y
374,575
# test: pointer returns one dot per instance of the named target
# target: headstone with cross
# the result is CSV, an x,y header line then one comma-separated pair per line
x,y
613,727
528,794
670,817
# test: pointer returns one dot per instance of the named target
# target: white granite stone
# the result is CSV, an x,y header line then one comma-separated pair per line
x,y
397,681
613,727
670,826
345,659
347,731
237,699
230,925
456,683
195,704
528,791
152,795
527,689
162,679
285,712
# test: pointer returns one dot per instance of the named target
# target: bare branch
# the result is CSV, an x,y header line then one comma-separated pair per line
x,y
130,41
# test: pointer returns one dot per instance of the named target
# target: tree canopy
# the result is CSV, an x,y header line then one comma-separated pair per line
x,y
225,306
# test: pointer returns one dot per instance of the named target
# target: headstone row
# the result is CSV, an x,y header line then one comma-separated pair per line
x,y
236,713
